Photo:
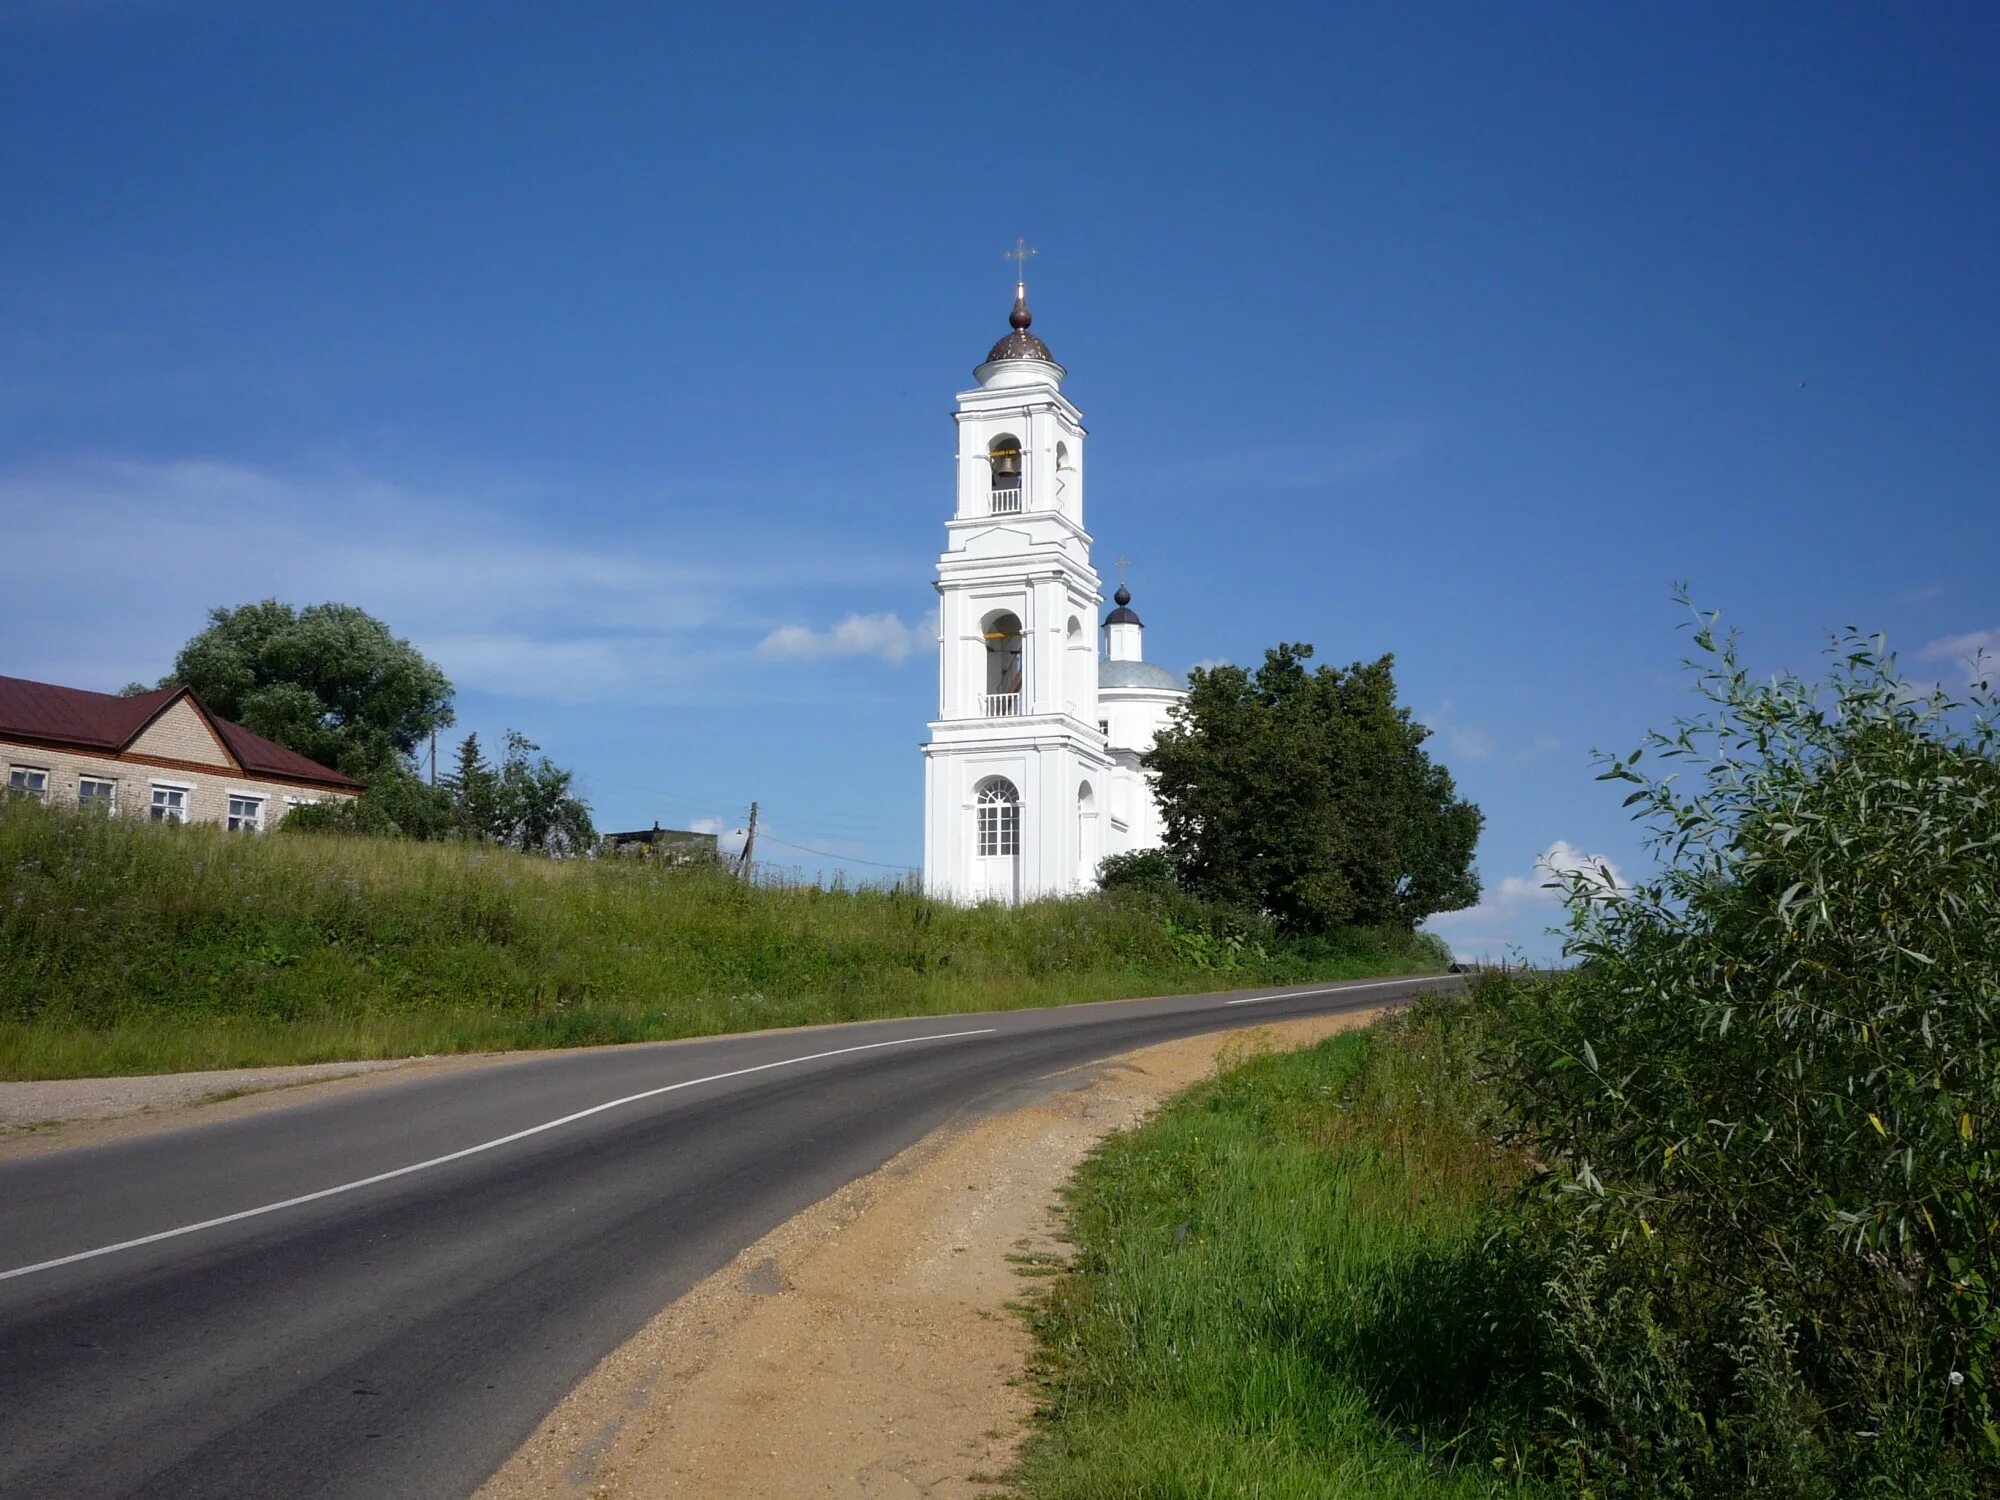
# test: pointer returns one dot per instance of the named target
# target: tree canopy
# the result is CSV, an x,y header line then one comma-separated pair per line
x,y
328,680
1307,794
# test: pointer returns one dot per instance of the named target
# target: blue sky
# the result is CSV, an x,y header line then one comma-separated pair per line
x,y
590,345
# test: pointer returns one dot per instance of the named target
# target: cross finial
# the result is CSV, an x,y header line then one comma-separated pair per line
x,y
1121,564
1020,255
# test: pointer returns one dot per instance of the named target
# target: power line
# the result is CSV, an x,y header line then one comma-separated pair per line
x,y
771,838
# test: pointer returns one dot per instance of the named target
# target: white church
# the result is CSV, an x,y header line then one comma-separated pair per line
x,y
1031,774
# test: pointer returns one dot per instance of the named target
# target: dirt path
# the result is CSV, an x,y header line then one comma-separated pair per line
x,y
863,1348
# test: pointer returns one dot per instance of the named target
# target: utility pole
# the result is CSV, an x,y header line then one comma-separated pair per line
x,y
749,843
434,757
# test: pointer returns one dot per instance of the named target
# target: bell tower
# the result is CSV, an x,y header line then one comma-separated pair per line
x,y
1015,768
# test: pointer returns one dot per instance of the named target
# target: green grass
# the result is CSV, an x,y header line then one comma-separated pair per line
x,y
128,948
1251,1298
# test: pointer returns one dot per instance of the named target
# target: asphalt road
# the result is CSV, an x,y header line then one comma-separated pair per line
x,y
381,1294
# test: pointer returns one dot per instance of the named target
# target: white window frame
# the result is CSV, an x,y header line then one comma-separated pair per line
x,y
84,779
39,793
234,795
154,807
997,819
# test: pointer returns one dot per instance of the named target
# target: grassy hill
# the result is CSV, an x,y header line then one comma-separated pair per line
x,y
128,947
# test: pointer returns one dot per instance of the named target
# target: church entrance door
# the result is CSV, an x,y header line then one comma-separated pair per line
x,y
998,828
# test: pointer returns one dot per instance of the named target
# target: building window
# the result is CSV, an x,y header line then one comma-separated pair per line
x,y
999,809
1104,728
27,781
246,814
95,791
170,803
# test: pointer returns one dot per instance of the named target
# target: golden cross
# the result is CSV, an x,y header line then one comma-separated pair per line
x,y
1019,255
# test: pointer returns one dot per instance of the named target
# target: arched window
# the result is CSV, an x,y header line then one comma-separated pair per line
x,y
1005,677
1004,455
1086,835
998,810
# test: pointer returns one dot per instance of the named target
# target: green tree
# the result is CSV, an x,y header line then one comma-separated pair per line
x,y
537,810
1148,870
475,792
1768,1101
328,680
1308,795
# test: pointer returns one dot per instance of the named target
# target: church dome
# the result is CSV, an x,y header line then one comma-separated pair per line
x,y
1138,674
1123,614
1021,344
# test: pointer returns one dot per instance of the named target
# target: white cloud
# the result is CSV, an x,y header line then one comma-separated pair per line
x,y
1976,654
1210,663
109,565
1517,912
1466,741
881,635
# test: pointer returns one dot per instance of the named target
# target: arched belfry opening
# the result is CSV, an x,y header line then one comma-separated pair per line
x,y
1003,454
1006,665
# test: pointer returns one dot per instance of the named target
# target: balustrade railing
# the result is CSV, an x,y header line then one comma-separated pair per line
x,y
1000,705
1007,502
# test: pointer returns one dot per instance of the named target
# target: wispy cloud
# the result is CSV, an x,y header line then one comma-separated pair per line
x,y
1465,741
109,566
1976,654
880,635
1518,911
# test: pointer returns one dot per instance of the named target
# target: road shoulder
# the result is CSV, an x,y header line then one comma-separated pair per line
x,y
865,1346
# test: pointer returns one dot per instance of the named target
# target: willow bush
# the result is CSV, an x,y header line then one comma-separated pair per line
x,y
1767,1106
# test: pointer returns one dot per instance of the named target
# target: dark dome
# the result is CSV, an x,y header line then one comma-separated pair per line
x,y
1021,344
1122,615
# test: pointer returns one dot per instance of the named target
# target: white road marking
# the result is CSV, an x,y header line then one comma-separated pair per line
x,y
438,1161
1336,989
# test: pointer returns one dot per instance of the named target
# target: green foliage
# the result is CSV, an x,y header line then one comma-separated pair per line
x,y
475,792
133,946
1147,870
526,804
1308,796
329,681
1770,1107
533,807
1240,1262
398,804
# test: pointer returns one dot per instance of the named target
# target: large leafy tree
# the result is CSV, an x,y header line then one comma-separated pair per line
x,y
1307,794
329,680
536,807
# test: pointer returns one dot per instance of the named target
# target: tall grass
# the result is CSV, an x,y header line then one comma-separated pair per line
x,y
130,947
1237,1316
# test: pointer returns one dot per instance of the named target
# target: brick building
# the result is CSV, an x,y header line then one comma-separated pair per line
x,y
158,755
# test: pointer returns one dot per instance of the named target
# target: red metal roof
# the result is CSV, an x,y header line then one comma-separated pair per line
x,y
85,720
